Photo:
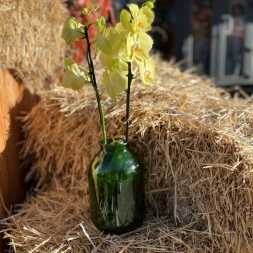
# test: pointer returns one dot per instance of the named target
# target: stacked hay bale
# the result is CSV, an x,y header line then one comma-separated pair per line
x,y
29,40
195,144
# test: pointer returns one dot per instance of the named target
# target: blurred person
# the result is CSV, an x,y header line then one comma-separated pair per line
x,y
235,42
201,22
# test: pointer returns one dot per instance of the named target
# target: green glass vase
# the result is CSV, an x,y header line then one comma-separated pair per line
x,y
116,189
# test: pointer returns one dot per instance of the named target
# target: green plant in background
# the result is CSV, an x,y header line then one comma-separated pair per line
x,y
118,49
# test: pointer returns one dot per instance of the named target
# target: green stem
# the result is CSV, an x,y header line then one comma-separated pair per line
x,y
129,81
94,84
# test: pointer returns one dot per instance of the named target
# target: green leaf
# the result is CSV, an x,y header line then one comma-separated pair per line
x,y
123,54
68,62
106,83
75,77
105,78
72,81
111,93
118,82
72,23
67,79
114,84
72,31
77,83
119,28
106,59
113,36
68,35
104,45
84,74
71,66
80,32
74,69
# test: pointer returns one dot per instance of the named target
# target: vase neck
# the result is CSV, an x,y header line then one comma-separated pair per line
x,y
114,145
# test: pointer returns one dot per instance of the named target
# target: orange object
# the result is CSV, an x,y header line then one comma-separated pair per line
x,y
105,10
14,99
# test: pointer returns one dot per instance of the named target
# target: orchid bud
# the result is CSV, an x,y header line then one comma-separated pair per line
x,y
85,11
149,4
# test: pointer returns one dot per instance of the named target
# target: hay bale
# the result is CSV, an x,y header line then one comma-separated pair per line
x,y
30,39
195,143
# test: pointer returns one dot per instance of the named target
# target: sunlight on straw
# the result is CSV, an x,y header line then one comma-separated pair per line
x,y
87,235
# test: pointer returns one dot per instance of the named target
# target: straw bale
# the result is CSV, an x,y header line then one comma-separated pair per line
x,y
195,142
29,39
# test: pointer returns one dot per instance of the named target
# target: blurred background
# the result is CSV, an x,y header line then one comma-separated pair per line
x,y
216,38
211,38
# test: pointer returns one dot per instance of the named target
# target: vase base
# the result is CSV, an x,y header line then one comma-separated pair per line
x,y
121,230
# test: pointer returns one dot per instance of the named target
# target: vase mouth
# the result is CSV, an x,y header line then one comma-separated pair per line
x,y
114,142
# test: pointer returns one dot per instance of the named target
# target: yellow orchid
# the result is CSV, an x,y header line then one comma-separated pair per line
x,y
141,18
148,69
126,21
118,48
139,45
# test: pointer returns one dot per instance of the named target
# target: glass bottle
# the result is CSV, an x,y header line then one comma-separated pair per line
x,y
116,189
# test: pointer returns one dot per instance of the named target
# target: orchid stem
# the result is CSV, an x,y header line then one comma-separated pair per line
x,y
94,84
129,81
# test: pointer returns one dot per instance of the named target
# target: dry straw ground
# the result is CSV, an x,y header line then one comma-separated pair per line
x,y
29,39
195,144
